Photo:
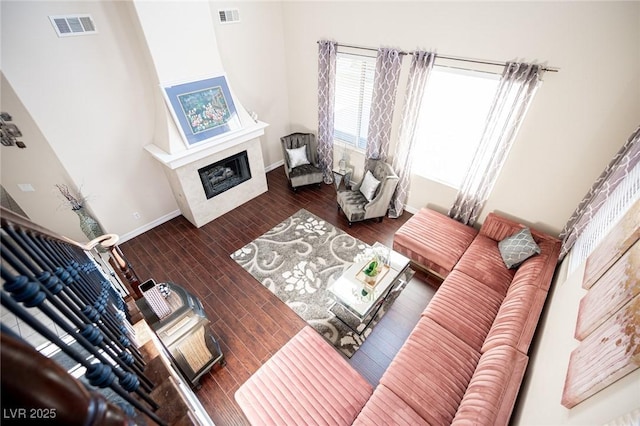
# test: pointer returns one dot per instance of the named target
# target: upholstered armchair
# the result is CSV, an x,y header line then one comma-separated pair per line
x,y
369,198
301,159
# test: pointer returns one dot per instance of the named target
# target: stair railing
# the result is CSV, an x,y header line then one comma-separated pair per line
x,y
52,283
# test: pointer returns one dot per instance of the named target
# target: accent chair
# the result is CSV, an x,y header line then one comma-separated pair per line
x,y
369,198
301,160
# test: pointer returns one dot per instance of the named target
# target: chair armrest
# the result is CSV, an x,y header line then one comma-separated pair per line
x,y
356,186
285,157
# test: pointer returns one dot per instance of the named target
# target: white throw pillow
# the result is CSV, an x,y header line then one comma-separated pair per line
x,y
369,186
298,156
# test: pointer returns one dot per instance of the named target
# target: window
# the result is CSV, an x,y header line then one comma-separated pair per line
x,y
616,205
354,89
452,117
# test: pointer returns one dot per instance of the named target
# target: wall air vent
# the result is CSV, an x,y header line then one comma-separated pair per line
x,y
229,16
73,25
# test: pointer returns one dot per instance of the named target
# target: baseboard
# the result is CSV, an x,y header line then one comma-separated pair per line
x,y
411,210
273,166
144,228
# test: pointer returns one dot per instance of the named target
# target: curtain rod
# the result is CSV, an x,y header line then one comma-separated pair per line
x,y
452,58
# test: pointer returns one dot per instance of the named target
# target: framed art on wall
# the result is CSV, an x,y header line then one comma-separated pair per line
x,y
202,109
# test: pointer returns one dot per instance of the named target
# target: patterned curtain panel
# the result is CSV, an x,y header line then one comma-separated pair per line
x,y
517,87
623,162
385,86
326,98
421,65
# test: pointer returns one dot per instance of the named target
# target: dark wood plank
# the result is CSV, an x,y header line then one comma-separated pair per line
x,y
250,322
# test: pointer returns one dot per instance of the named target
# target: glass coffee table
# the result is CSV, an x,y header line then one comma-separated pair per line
x,y
357,304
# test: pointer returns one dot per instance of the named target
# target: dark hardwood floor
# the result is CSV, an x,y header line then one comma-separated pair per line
x,y
250,322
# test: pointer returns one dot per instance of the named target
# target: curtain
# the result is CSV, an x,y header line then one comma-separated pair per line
x,y
514,95
421,65
621,164
385,86
326,102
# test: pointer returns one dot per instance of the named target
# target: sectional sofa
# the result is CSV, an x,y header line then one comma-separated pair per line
x,y
462,364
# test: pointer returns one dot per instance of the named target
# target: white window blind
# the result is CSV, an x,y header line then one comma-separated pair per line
x,y
354,89
616,205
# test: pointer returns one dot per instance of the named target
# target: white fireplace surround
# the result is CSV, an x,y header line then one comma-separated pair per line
x,y
182,168
173,63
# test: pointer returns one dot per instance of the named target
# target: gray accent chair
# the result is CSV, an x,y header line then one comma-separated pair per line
x,y
306,174
354,204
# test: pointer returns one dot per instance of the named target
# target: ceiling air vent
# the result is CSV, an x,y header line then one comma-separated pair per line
x,y
73,25
229,16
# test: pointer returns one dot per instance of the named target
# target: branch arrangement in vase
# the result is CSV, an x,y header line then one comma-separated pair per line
x,y
75,202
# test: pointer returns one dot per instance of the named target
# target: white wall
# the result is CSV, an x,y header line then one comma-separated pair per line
x,y
92,99
96,99
540,395
254,59
44,203
579,119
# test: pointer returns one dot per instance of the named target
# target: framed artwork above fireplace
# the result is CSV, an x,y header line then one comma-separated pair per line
x,y
202,109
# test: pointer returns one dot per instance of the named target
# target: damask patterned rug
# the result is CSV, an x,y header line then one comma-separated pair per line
x,y
298,260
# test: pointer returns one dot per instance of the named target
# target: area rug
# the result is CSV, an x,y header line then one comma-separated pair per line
x,y
298,260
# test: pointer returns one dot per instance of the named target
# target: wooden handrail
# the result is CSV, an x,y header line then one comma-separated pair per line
x,y
108,242
52,394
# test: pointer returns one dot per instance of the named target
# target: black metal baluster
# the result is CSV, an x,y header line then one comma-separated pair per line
x,y
89,295
99,375
63,280
87,335
53,287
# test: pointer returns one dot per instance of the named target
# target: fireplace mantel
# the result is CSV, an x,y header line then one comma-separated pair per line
x,y
181,169
218,144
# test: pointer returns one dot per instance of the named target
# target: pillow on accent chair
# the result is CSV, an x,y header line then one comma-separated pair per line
x,y
298,156
517,248
369,186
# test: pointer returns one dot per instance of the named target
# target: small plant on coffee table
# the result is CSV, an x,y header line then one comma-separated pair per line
x,y
371,272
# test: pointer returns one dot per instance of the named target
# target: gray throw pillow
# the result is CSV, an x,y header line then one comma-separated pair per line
x,y
298,156
517,248
369,186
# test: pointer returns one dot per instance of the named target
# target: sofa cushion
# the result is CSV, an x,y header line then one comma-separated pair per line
x,y
466,307
498,228
305,175
538,270
306,382
517,248
493,389
386,408
433,240
517,318
431,371
483,261
352,204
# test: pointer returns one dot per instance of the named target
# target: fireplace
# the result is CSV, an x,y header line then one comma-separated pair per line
x,y
191,172
225,174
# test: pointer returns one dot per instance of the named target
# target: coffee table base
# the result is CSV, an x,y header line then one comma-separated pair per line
x,y
359,325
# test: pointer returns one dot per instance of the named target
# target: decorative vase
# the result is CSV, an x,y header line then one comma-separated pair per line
x,y
90,227
342,164
370,279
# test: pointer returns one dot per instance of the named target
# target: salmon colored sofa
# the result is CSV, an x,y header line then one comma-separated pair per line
x,y
462,364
